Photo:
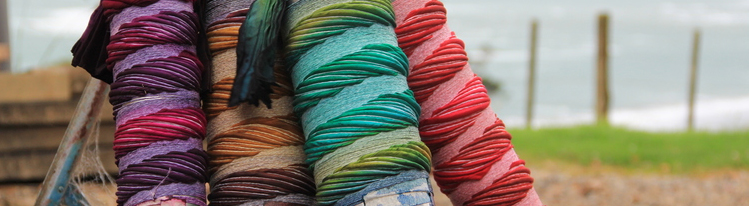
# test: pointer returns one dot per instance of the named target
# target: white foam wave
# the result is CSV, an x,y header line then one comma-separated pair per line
x,y
725,114
709,115
706,14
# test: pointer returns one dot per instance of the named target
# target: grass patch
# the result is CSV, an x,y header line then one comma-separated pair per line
x,y
678,152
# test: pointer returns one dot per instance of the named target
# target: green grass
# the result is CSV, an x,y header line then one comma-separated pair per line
x,y
680,152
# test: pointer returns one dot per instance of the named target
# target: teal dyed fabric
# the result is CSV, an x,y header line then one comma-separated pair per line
x,y
359,117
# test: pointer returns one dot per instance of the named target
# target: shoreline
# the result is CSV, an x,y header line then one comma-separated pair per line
x,y
712,115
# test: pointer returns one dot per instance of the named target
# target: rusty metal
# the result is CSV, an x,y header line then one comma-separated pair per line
x,y
56,189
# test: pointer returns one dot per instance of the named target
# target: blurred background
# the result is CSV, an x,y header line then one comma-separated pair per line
x,y
649,49
644,154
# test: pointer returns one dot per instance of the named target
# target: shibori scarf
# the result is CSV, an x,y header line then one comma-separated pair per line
x,y
257,155
348,77
147,51
358,115
474,163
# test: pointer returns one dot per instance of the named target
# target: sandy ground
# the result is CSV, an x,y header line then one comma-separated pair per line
x,y
556,186
722,188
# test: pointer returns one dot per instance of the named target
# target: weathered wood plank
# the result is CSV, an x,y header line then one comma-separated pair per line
x,y
27,152
32,166
35,86
44,113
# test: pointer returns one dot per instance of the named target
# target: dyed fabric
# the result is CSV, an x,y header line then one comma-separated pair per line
x,y
257,155
151,58
90,52
257,51
474,163
358,115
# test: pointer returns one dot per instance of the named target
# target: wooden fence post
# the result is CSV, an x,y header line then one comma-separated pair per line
x,y
531,74
693,78
602,88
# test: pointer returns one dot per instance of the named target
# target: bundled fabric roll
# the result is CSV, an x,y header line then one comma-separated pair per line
x,y
474,163
256,152
151,62
358,115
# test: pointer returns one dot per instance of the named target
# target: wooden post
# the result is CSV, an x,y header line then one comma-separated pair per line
x,y
602,88
693,78
531,74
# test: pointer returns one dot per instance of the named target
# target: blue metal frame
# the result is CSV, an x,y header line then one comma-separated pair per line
x,y
56,189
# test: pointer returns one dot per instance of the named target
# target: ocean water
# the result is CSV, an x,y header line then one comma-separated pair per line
x,y
649,64
649,59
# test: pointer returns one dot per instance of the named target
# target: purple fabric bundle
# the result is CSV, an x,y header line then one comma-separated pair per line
x,y
151,58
